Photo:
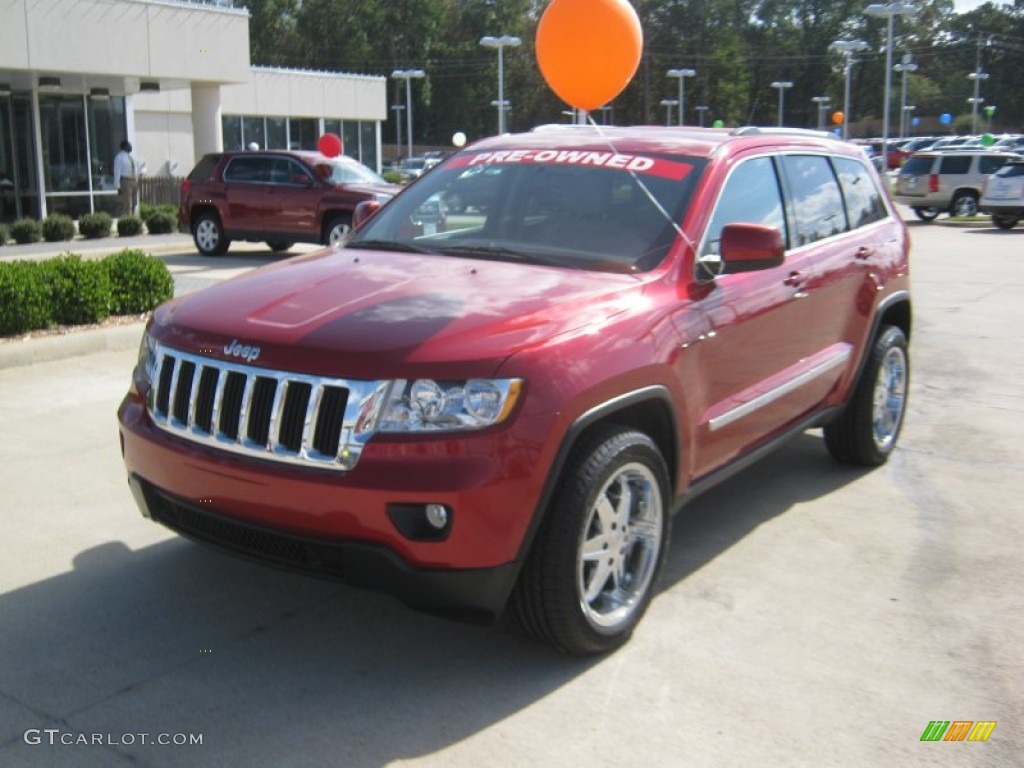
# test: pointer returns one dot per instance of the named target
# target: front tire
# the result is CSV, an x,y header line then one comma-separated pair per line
x,y
926,214
592,570
1004,221
208,235
964,204
866,431
337,228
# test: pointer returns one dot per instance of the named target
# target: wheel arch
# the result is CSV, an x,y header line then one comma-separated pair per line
x,y
649,410
895,309
203,208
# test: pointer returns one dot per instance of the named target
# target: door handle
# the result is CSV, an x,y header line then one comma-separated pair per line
x,y
865,252
795,278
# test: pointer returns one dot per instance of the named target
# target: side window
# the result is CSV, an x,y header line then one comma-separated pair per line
x,y
987,165
286,171
251,170
751,195
817,205
958,164
864,202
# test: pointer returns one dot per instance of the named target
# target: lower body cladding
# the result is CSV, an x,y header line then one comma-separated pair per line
x,y
450,548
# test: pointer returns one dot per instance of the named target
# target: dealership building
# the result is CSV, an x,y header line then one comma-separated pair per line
x,y
77,77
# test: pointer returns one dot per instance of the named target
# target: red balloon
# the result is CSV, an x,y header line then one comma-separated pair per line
x,y
329,145
588,50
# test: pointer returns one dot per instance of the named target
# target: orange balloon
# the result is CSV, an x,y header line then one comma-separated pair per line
x,y
838,117
588,50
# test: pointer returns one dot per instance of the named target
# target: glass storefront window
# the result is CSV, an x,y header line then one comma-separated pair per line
x,y
303,133
106,132
350,138
277,133
65,162
332,126
232,127
368,144
253,131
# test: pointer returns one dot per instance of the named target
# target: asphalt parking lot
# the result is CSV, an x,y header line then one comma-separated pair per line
x,y
809,614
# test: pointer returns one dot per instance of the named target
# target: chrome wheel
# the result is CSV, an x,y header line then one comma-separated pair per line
x,y
965,205
890,398
337,230
620,546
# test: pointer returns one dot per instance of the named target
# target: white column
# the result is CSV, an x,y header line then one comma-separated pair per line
x,y
207,131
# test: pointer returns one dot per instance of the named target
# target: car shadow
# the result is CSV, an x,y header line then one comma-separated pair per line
x,y
267,665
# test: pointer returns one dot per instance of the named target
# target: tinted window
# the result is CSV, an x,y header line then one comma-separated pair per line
x,y
987,165
918,166
1011,170
204,169
955,164
285,171
863,200
751,195
817,205
249,169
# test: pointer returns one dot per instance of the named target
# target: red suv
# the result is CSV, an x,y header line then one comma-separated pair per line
x,y
506,407
280,197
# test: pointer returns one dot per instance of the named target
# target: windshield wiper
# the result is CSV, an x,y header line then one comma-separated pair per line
x,y
389,245
499,252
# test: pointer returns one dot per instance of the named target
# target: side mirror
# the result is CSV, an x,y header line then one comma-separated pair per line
x,y
364,212
750,247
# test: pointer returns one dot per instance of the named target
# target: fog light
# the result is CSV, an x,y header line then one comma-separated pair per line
x,y
437,515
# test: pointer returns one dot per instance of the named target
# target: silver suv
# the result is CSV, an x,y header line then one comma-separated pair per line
x,y
936,182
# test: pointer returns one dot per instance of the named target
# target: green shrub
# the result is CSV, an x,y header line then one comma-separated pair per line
x,y
24,298
26,231
95,225
392,176
3,234
79,290
146,211
58,227
127,226
138,282
161,223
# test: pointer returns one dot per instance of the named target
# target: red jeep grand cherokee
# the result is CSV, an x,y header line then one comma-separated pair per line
x,y
280,197
506,409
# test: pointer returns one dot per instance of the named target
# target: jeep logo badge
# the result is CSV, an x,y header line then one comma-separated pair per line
x,y
246,352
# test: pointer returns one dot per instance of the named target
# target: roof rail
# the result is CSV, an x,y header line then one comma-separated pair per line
x,y
757,130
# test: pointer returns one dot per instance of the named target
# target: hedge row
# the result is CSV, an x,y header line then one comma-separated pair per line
x,y
69,290
158,220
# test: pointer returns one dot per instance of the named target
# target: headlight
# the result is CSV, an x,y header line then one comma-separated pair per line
x,y
428,405
147,357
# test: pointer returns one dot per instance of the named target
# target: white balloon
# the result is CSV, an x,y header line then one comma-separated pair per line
x,y
459,139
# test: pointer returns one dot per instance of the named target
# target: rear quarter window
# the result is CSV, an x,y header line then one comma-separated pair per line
x,y
864,203
204,168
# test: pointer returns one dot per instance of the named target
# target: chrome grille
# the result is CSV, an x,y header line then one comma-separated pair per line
x,y
287,417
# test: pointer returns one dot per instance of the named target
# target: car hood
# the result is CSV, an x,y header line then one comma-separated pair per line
x,y
374,314
370,189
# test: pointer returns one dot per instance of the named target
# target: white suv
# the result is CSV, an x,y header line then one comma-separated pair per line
x,y
1003,195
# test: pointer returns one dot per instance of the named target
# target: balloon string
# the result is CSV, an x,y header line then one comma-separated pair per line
x,y
639,182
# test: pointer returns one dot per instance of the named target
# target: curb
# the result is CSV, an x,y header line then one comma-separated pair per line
x,y
44,349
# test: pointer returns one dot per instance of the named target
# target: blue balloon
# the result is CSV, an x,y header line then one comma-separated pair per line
x,y
945,118
837,131
915,121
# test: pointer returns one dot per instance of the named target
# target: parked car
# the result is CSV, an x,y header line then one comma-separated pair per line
x,y
274,196
412,168
506,411
932,182
1003,194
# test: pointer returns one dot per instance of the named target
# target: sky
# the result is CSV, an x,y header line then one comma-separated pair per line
x,y
966,5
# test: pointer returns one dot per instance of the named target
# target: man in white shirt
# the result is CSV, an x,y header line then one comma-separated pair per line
x,y
126,179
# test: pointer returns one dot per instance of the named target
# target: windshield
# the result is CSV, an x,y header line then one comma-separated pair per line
x,y
352,172
576,209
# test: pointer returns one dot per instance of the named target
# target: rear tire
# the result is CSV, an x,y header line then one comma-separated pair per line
x,y
1004,221
208,235
865,432
964,204
593,567
279,246
927,214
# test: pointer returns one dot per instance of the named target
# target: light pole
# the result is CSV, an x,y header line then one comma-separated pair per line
x,y
822,102
977,76
908,115
408,75
889,11
501,43
782,85
848,48
399,108
907,65
682,74
700,112
668,104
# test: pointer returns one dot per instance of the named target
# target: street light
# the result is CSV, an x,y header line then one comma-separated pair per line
x,y
908,115
682,74
977,76
668,104
822,102
500,43
907,65
889,11
782,85
408,75
399,108
848,48
700,111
